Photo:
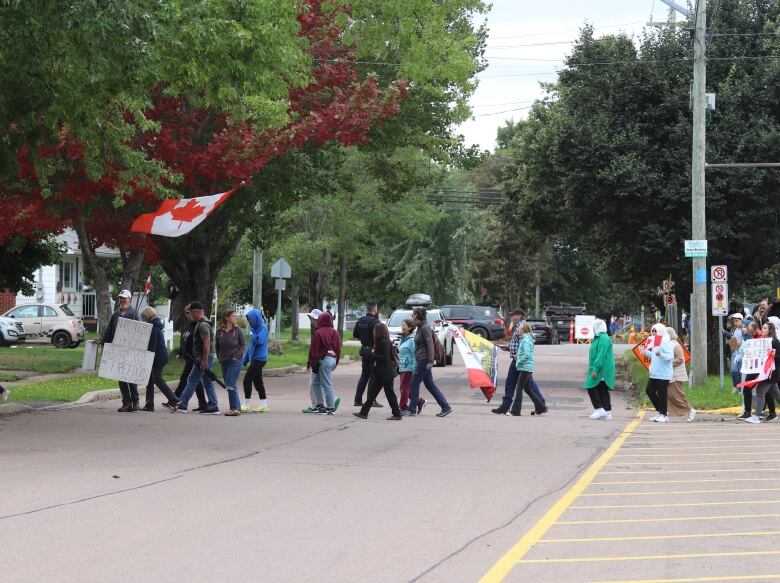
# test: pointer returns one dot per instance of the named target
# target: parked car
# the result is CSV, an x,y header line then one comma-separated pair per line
x,y
563,317
49,323
439,324
481,320
544,331
11,332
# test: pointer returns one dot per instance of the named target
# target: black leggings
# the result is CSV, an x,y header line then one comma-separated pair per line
x,y
254,374
524,385
377,384
156,378
599,397
657,390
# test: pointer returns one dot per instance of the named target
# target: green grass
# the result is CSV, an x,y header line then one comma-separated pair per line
x,y
64,389
7,378
709,396
40,358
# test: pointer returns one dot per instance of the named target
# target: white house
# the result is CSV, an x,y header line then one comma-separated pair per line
x,y
64,283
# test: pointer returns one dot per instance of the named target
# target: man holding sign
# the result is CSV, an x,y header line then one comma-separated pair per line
x,y
129,390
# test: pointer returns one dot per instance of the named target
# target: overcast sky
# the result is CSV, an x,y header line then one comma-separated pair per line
x,y
514,84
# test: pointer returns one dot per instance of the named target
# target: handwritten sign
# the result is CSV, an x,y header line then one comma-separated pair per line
x,y
126,364
132,334
754,353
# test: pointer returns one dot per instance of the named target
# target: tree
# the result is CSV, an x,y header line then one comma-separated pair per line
x,y
20,259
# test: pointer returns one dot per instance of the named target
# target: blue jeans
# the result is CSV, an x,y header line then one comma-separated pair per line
x,y
231,370
423,375
509,387
197,377
322,383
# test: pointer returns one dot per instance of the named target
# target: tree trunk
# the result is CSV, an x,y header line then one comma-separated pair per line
x,y
97,273
132,261
342,292
295,309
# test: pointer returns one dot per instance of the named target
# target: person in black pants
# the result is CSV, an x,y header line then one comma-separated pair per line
x,y
383,374
364,331
157,345
186,348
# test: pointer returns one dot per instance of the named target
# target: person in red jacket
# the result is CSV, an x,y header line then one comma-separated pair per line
x,y
324,355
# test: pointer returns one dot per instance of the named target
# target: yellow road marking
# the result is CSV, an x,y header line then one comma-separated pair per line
x,y
657,537
650,557
689,481
669,519
666,492
653,463
775,577
681,505
697,471
505,564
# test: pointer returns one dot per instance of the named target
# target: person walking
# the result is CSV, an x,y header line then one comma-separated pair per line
x,y
677,402
256,356
324,356
185,347
157,345
601,372
204,357
424,354
771,386
659,350
383,375
406,364
364,331
129,391
230,352
525,366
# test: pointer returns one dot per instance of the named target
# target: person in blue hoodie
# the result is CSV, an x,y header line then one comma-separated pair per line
x,y
660,351
256,356
157,345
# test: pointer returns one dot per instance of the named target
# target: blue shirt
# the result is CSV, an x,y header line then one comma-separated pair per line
x,y
661,365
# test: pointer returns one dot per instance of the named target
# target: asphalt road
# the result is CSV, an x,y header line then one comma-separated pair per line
x,y
87,494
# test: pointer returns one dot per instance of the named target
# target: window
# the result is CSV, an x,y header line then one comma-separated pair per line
x,y
25,312
461,313
68,275
49,312
65,309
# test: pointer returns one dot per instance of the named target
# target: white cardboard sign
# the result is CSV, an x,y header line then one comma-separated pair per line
x,y
583,327
132,334
126,364
754,353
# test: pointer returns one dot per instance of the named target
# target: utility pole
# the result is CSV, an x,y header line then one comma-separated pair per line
x,y
257,279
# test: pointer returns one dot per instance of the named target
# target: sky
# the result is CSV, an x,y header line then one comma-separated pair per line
x,y
510,84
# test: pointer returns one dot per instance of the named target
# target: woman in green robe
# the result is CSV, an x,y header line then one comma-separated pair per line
x,y
601,372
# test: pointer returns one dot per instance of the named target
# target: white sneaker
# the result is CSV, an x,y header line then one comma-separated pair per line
x,y
598,413
753,419
661,419
691,415
655,418
5,394
607,415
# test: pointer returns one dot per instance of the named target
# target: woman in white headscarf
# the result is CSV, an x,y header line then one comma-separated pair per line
x,y
601,372
661,354
677,402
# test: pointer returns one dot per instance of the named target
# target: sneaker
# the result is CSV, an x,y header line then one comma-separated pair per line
x,y
125,409
171,405
260,409
360,415
232,413
655,417
321,410
745,415
607,415
330,411
691,415
499,411
148,408
421,406
444,412
377,404
357,404
198,409
336,404
394,418
753,419
541,411
179,409
244,409
597,413
309,409
209,411
770,417
661,418
6,394
408,413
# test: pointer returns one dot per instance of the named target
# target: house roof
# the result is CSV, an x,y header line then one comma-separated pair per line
x,y
71,240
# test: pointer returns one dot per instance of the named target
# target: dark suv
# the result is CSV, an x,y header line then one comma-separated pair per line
x,y
481,320
545,331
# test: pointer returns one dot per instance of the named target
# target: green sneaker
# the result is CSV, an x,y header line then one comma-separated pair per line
x,y
336,403
309,409
245,409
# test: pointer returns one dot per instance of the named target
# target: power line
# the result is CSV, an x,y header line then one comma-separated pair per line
x,y
500,112
502,104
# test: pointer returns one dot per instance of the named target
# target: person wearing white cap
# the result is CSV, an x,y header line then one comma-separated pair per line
x,y
659,349
125,310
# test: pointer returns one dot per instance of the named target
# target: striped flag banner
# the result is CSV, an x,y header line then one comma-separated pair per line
x,y
481,359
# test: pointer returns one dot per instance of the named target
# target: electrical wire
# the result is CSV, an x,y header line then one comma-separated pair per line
x,y
500,112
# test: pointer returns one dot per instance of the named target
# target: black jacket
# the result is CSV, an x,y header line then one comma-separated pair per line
x,y
364,330
108,335
383,364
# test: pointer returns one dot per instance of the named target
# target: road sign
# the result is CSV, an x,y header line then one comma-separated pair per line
x,y
280,284
639,353
720,299
696,248
719,274
281,270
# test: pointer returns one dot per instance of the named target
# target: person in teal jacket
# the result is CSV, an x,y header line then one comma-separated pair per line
x,y
601,371
525,366
407,362
661,353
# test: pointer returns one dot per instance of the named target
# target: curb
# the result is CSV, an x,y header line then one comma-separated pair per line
x,y
14,408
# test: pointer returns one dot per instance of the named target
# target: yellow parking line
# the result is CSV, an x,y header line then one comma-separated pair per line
x,y
687,481
505,564
696,471
650,557
653,463
681,505
657,537
678,492
753,516
775,577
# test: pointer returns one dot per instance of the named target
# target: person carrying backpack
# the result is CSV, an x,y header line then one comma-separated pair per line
x,y
406,364
425,355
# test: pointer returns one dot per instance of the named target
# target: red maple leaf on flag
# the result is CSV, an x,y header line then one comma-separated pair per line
x,y
189,212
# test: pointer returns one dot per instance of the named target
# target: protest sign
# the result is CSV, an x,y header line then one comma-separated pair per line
x,y
132,334
126,364
754,353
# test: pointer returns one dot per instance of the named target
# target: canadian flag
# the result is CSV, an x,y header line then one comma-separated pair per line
x,y
178,216
148,284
